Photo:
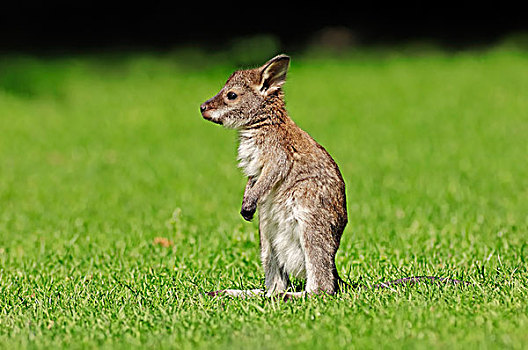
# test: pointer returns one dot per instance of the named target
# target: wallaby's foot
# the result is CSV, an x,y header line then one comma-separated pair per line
x,y
248,293
286,296
216,293
237,293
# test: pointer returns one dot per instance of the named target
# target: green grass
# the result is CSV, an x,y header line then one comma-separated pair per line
x,y
99,156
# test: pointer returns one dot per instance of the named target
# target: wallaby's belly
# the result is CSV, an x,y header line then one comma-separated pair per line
x,y
282,225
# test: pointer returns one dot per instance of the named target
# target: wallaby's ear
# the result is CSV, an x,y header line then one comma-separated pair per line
x,y
273,74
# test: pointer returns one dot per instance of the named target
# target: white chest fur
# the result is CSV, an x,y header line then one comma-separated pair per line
x,y
249,154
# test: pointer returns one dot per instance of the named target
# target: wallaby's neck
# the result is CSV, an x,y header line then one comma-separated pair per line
x,y
271,112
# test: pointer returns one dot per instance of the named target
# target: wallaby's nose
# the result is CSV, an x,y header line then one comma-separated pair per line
x,y
203,107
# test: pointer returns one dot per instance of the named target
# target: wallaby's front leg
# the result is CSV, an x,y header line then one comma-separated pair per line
x,y
257,188
246,212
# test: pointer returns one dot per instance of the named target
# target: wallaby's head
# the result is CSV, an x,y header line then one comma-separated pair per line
x,y
245,92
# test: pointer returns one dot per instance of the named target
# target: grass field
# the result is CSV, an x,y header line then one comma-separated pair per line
x,y
119,204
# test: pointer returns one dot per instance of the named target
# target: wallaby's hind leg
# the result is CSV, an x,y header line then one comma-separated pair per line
x,y
276,277
321,272
277,280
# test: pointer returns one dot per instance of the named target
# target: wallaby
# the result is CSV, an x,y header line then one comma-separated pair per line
x,y
291,178
294,182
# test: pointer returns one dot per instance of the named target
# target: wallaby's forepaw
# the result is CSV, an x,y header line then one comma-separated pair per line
x,y
247,212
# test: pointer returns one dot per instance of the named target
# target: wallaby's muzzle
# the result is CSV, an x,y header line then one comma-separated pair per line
x,y
207,112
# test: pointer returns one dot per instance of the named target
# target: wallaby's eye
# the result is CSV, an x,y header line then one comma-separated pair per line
x,y
231,95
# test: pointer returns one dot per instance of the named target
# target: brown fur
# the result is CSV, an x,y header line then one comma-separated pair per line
x,y
291,178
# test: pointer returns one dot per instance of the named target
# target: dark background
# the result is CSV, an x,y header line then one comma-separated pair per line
x,y
56,28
